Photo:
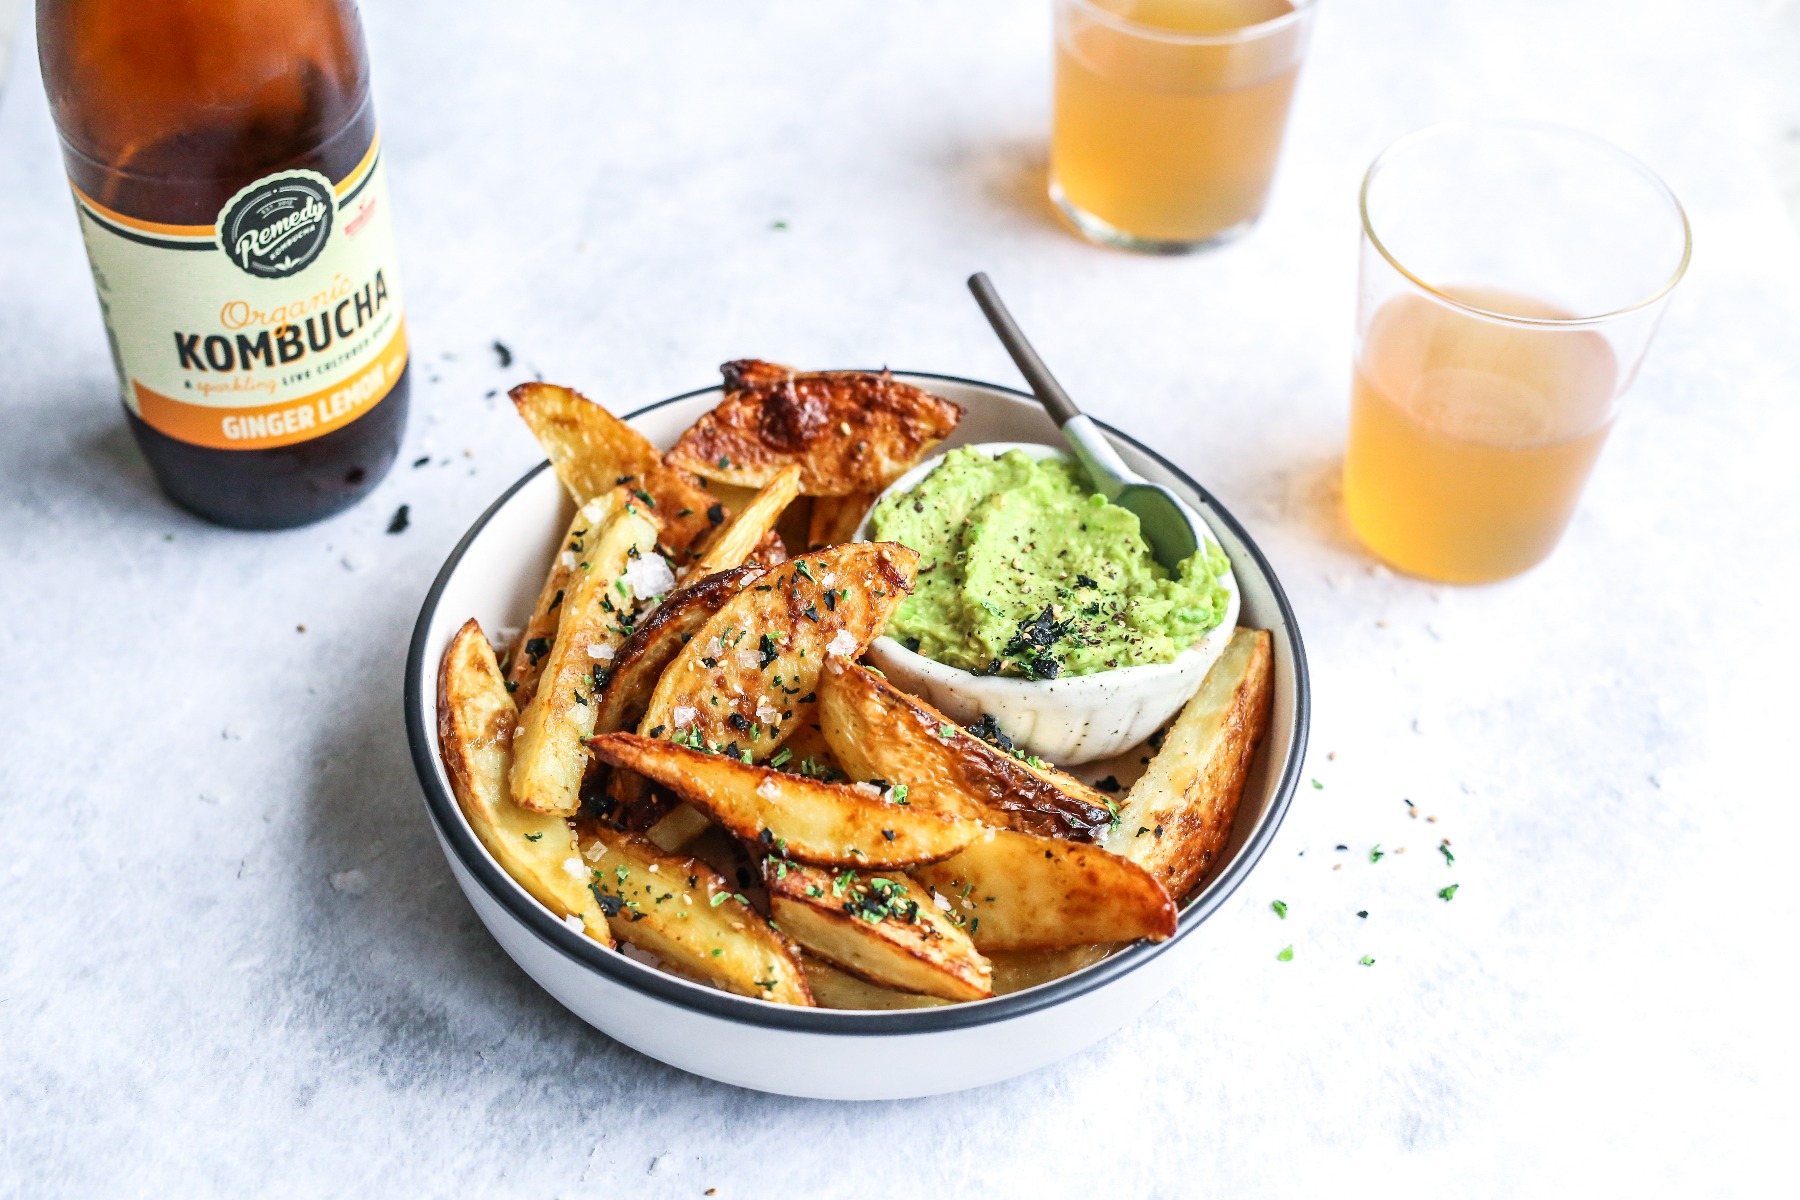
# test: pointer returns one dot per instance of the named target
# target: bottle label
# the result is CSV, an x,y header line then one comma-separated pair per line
x,y
276,324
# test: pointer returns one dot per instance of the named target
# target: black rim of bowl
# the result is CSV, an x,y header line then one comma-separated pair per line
x,y
447,818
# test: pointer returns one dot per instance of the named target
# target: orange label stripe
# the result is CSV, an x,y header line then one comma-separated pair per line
x,y
207,232
261,427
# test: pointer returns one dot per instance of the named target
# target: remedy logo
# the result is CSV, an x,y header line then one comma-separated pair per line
x,y
278,224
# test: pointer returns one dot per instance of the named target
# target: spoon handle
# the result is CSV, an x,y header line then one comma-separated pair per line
x,y
1049,392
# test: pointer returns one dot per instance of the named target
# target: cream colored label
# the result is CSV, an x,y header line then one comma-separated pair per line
x,y
278,323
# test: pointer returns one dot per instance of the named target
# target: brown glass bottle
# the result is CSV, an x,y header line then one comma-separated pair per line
x,y
228,179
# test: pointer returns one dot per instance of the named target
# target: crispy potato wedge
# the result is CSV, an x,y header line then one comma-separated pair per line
x,y
770,552
750,672
850,431
549,758
640,662
878,731
688,915
593,452
1016,970
642,658
835,518
475,727
1176,818
525,661
735,541
823,824
1022,892
832,988
883,928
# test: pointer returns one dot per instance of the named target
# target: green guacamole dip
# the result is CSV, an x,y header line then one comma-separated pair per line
x,y
1025,570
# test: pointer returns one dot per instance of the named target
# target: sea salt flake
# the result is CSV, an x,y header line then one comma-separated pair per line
x,y
767,714
843,642
351,882
567,559
649,575
939,899
683,715
600,652
574,922
573,866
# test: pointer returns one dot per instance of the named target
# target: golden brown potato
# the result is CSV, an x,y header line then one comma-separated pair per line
x,y
879,732
593,452
850,431
525,661
883,928
1016,970
690,916
475,727
750,672
810,821
770,552
832,988
1176,818
657,639
549,757
735,541
1021,892
835,518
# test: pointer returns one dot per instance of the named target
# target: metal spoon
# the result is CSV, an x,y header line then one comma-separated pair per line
x,y
1168,525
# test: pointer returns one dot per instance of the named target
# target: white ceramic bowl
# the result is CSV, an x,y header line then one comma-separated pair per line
x,y
493,575
1074,719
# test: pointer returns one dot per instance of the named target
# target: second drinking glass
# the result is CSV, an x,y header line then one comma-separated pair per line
x,y
1169,115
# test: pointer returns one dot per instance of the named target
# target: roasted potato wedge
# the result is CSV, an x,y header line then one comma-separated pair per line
x,y
735,541
1176,818
832,988
1021,892
593,452
751,671
878,731
475,728
835,518
525,662
1016,970
850,431
642,658
770,552
883,928
690,916
824,824
549,758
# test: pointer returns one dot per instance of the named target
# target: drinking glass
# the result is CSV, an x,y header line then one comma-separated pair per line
x,y
1169,114
1512,276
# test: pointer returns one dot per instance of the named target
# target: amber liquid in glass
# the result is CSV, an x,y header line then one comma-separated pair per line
x,y
1470,438
1169,141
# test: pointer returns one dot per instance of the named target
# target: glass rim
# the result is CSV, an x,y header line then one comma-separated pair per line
x,y
1550,127
1300,10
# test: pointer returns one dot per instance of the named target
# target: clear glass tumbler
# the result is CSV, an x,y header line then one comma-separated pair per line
x,y
1512,276
1169,115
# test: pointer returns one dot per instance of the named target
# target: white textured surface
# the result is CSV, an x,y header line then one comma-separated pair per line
x,y
231,959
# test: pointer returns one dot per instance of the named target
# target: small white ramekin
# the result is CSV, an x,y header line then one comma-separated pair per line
x,y
1073,719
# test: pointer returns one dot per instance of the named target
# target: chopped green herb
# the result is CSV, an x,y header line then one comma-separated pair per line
x,y
1286,955
1375,854
781,757
538,837
1448,893
1444,849
1318,785
1366,961
719,898
1280,907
